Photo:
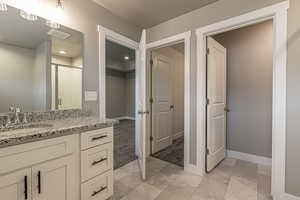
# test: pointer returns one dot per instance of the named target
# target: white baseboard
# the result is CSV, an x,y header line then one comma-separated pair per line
x,y
124,117
249,157
287,196
178,135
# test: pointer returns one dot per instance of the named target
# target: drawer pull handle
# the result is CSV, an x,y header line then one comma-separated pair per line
x,y
26,187
98,161
98,191
39,182
98,138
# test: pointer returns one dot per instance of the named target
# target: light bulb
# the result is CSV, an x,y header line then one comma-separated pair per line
x,y
3,6
28,16
52,24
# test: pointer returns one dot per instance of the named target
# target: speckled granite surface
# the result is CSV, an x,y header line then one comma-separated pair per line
x,y
51,128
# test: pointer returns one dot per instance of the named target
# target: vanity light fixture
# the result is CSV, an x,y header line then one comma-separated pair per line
x,y
126,57
28,16
3,6
52,24
59,10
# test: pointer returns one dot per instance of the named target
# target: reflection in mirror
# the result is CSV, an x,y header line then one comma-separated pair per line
x,y
40,67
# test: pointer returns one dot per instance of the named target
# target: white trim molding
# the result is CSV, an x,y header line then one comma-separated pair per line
x,y
186,38
290,197
277,12
249,157
124,118
178,135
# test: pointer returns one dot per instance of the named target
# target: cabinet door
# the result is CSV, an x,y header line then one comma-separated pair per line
x,y
54,180
16,185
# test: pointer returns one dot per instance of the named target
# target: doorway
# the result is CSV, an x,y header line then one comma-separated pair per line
x,y
167,104
140,112
239,95
120,100
182,40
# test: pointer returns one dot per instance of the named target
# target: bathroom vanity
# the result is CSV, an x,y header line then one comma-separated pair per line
x,y
69,159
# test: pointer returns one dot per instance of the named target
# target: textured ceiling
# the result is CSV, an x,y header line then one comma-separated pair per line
x,y
148,13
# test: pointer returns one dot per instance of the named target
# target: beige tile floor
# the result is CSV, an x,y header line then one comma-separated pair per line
x,y
231,180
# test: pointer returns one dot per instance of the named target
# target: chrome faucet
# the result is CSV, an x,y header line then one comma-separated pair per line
x,y
16,111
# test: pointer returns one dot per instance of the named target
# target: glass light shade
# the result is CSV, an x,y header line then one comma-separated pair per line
x,y
3,6
52,24
28,16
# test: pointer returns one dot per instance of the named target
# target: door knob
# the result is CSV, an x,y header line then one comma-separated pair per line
x,y
226,109
143,112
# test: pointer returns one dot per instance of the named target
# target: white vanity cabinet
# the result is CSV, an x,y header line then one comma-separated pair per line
x,y
74,167
97,164
16,185
40,170
54,180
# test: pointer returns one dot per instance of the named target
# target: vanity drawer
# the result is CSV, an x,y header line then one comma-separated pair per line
x,y
94,138
98,188
96,161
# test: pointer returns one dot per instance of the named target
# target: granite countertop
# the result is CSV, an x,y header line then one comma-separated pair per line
x,y
51,129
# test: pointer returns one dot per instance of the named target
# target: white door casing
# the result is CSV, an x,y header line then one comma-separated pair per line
x,y
162,71
141,109
216,104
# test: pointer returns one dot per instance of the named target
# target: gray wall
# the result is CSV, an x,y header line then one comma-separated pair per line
x,y
16,63
293,99
115,94
120,94
130,94
224,9
249,88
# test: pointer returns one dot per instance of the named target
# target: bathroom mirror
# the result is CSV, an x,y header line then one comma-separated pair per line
x,y
41,63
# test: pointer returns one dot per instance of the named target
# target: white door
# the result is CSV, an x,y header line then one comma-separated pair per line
x,y
16,186
216,95
141,109
162,102
54,180
69,87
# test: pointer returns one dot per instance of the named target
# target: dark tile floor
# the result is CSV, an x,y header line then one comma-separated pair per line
x,y
174,153
124,143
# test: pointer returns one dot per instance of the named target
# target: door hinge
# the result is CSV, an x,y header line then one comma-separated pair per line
x,y
151,62
151,100
207,151
151,138
207,51
207,102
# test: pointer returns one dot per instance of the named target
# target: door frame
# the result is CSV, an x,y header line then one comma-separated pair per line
x,y
107,34
186,38
277,12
